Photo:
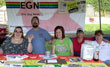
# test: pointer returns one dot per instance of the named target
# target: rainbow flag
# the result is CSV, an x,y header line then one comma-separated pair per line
x,y
48,4
42,5
13,4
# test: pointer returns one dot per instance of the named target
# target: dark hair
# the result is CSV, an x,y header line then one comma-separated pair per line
x,y
98,32
62,30
36,18
21,31
79,31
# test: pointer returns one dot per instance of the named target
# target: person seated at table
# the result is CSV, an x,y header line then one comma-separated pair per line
x,y
17,44
63,45
79,40
103,47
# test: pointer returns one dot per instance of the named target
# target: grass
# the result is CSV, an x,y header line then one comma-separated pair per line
x,y
91,28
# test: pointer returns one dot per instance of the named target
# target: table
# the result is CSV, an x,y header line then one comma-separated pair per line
x,y
32,60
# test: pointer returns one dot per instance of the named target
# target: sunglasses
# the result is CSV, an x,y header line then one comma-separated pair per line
x,y
18,31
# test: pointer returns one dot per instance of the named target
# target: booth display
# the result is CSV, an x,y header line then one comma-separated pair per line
x,y
35,60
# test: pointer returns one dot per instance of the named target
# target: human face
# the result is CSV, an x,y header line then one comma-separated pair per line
x,y
35,23
80,35
18,33
99,37
59,34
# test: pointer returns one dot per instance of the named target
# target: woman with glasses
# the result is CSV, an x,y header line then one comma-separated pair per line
x,y
17,44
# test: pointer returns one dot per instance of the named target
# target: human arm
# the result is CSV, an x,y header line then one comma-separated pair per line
x,y
1,51
52,41
29,36
71,49
105,40
53,49
89,38
71,46
29,48
2,48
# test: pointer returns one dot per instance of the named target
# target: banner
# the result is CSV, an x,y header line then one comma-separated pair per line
x,y
67,13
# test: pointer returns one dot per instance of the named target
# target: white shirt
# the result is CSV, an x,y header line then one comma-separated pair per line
x,y
104,50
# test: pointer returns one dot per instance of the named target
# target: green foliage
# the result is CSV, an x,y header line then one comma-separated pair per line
x,y
93,3
2,3
91,28
104,4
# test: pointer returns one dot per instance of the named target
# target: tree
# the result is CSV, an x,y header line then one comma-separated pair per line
x,y
2,3
104,4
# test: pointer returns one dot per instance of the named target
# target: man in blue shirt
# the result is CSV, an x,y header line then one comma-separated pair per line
x,y
40,37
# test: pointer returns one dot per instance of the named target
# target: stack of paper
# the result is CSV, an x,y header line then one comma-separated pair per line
x,y
51,61
49,57
15,57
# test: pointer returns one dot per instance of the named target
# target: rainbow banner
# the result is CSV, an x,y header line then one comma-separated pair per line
x,y
48,4
41,5
13,4
67,13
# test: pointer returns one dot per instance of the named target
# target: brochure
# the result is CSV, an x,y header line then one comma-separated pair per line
x,y
75,59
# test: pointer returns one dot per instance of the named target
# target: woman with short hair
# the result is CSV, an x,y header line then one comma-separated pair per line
x,y
103,47
63,45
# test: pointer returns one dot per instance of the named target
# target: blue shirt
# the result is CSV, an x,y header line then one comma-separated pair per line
x,y
38,42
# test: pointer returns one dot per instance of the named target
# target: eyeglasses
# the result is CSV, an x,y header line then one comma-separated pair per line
x,y
18,31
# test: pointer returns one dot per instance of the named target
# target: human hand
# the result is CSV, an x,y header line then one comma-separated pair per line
x,y
105,40
53,40
71,54
30,37
1,51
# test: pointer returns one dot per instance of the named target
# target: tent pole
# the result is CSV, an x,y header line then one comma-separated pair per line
x,y
99,14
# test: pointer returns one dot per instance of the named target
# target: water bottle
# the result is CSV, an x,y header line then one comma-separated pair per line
x,y
96,54
48,53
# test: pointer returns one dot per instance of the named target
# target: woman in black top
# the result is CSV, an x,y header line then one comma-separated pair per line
x,y
17,44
